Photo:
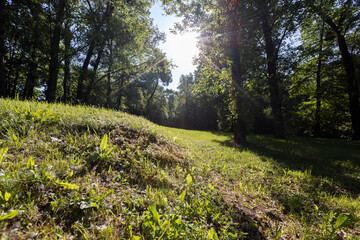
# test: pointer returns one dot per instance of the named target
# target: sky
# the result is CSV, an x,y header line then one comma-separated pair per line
x,y
179,48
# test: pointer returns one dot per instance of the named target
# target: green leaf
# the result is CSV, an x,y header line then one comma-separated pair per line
x,y
211,187
14,137
7,196
343,220
110,150
182,196
103,144
211,234
9,215
164,224
189,179
154,213
68,186
2,153
30,163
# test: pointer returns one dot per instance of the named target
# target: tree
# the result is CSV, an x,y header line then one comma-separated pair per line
x,y
36,11
96,39
3,80
342,17
59,7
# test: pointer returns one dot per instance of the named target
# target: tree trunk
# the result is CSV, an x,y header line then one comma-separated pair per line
x,y
28,92
83,73
119,93
273,81
238,82
67,42
13,90
108,92
93,76
54,53
318,86
349,65
3,80
151,96
352,85
84,70
31,75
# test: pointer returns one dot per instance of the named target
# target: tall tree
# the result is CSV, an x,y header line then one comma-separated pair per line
x,y
317,131
273,78
67,60
96,38
3,20
35,8
59,7
342,17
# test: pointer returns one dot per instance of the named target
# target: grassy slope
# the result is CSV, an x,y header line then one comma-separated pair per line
x,y
62,179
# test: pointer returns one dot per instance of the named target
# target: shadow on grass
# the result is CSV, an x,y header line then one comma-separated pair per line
x,y
337,160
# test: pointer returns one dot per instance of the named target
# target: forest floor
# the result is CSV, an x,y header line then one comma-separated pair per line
x,y
72,172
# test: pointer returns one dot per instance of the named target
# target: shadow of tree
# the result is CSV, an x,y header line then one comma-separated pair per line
x,y
337,160
329,167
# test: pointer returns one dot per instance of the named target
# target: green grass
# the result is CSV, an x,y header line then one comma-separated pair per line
x,y
87,173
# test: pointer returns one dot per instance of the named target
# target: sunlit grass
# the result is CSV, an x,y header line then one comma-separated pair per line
x,y
76,171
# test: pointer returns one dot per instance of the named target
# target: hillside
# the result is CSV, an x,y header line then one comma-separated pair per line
x,y
72,172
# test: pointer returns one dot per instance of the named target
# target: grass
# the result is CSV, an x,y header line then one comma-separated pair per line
x,y
86,173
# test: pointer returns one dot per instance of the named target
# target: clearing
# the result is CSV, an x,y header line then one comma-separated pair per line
x,y
72,172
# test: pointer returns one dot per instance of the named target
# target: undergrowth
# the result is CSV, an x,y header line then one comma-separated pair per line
x,y
86,173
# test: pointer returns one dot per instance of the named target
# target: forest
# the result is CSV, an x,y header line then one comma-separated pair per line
x,y
260,141
281,67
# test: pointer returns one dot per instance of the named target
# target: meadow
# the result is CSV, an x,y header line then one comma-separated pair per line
x,y
77,172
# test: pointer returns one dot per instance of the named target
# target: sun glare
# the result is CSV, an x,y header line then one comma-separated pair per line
x,y
182,48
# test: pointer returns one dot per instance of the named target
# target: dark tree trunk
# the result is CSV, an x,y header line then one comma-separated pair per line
x,y
108,92
32,73
54,53
67,41
119,94
93,76
151,96
349,65
3,80
93,42
31,76
352,85
238,82
83,73
14,85
273,80
318,86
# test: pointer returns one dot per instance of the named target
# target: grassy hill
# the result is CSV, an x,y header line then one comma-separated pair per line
x,y
86,173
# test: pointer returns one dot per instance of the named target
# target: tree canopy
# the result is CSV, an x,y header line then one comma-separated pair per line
x,y
276,66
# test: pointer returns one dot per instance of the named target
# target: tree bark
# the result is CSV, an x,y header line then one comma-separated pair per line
x,y
119,94
93,76
352,85
271,57
349,65
83,73
32,75
3,80
317,132
32,72
54,53
151,96
13,90
108,92
67,42
84,70
238,82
